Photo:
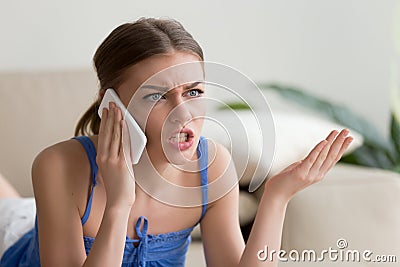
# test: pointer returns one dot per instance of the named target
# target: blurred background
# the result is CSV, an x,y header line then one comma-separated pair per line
x,y
341,50
345,52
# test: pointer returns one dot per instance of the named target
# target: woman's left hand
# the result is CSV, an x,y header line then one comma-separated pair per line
x,y
311,169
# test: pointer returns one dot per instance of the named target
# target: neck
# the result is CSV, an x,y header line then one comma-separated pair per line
x,y
152,172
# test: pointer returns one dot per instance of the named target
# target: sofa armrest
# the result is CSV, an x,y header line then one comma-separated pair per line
x,y
358,204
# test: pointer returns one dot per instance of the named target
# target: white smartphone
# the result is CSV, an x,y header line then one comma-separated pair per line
x,y
136,135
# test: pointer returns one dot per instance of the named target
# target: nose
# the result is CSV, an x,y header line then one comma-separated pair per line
x,y
180,113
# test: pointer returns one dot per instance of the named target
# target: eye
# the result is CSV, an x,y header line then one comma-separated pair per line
x,y
194,92
154,97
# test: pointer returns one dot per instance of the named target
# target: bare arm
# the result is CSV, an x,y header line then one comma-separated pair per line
x,y
59,225
108,248
60,229
6,189
220,230
266,231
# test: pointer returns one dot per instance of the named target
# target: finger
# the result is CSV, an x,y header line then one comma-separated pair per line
x,y
108,130
314,170
116,136
126,153
126,141
312,156
104,115
343,148
334,151
345,145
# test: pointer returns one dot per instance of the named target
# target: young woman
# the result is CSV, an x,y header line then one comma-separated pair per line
x,y
90,211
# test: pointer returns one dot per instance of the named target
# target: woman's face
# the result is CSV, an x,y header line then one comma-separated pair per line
x,y
166,99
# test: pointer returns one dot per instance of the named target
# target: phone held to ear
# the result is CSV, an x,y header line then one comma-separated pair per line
x,y
137,138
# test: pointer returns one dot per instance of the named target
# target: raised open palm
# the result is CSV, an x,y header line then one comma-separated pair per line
x,y
312,168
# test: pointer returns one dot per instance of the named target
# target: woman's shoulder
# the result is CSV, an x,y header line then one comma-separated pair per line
x,y
64,152
61,181
61,162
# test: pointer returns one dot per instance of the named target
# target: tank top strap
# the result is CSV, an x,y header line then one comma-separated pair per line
x,y
202,152
91,154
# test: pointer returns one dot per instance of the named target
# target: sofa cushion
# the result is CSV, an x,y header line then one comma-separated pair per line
x,y
296,133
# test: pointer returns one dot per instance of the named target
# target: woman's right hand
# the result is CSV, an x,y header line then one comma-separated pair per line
x,y
118,181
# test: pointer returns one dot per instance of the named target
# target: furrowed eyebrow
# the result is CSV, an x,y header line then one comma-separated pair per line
x,y
164,89
193,85
154,87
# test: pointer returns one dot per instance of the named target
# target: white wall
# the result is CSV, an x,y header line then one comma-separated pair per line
x,y
339,49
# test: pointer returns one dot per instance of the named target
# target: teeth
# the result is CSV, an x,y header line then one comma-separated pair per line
x,y
179,137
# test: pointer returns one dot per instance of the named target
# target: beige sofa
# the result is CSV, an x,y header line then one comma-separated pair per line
x,y
356,204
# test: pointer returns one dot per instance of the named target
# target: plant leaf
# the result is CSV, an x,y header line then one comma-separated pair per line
x,y
235,105
395,109
395,133
369,156
396,168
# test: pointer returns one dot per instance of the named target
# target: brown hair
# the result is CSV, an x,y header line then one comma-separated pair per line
x,y
126,45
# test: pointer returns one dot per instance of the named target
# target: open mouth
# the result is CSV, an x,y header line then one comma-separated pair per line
x,y
182,139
